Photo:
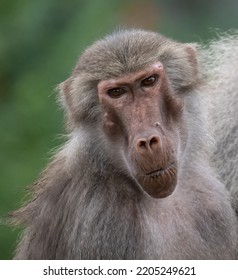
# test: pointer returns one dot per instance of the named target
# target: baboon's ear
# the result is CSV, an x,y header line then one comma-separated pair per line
x,y
64,89
191,50
192,63
182,66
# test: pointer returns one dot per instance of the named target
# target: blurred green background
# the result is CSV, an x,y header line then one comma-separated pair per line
x,y
40,42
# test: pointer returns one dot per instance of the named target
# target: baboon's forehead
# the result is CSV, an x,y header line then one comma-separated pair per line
x,y
122,52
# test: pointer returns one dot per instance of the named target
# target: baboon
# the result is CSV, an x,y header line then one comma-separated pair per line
x,y
135,179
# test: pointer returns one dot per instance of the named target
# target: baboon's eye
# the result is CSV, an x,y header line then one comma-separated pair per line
x,y
150,81
116,92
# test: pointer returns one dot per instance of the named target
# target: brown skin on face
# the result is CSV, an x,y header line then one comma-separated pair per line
x,y
142,111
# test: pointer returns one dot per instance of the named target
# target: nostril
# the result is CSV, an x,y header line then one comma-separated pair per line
x,y
153,141
142,144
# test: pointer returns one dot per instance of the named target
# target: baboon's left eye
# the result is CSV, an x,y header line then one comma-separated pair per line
x,y
150,81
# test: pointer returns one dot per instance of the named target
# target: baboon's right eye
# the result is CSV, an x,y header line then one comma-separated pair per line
x,y
116,92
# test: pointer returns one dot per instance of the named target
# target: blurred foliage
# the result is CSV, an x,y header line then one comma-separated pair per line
x,y
39,44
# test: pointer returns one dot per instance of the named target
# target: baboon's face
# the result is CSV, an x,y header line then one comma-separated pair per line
x,y
141,112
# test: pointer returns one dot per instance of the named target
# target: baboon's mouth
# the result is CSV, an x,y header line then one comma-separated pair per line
x,y
160,182
160,171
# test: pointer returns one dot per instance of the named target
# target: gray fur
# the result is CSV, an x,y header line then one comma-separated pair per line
x,y
87,206
221,69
